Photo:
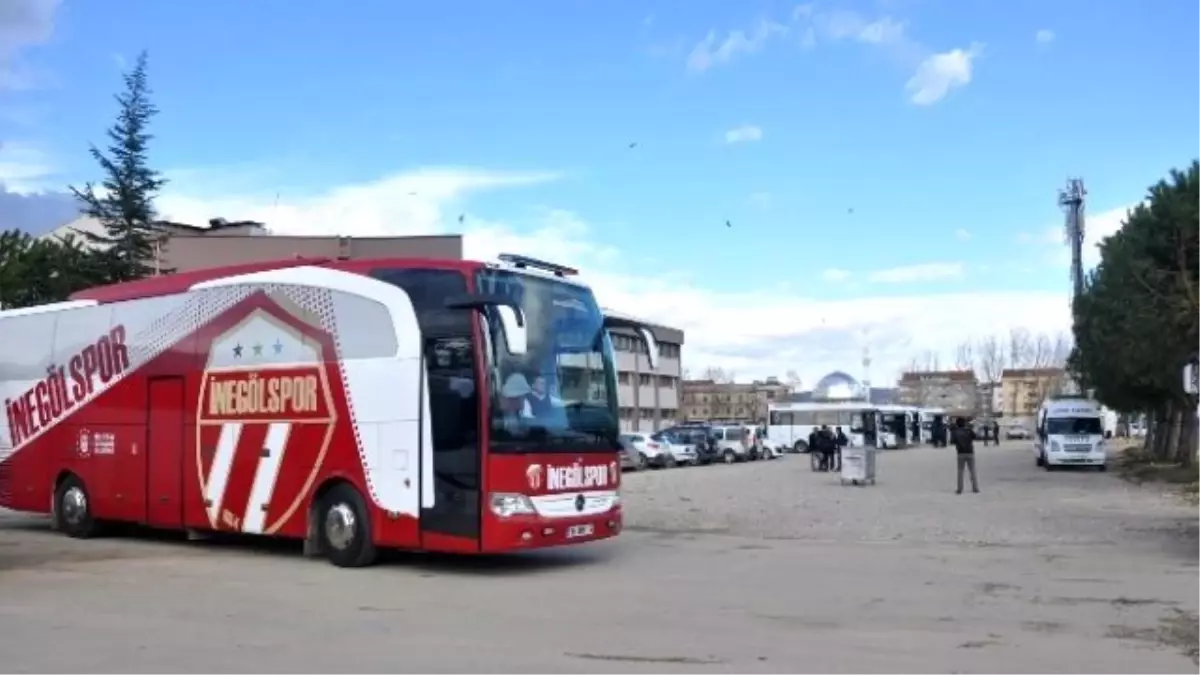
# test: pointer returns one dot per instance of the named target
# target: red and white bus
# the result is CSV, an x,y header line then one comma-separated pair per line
x,y
435,405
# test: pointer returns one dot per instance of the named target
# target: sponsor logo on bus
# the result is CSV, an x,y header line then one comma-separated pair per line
x,y
67,386
577,476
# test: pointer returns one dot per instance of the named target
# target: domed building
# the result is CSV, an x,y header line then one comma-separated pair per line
x,y
837,386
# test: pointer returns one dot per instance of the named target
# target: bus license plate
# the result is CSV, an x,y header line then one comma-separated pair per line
x,y
575,531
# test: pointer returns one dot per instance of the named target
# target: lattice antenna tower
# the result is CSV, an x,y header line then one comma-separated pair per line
x,y
1072,200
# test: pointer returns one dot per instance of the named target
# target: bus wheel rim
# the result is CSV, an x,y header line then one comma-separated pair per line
x,y
74,505
341,526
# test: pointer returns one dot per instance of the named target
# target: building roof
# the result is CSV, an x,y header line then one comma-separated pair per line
x,y
951,375
1031,372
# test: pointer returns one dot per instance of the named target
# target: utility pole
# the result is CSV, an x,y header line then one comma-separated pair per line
x,y
1071,200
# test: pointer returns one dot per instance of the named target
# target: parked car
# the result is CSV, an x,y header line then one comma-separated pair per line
x,y
682,451
769,449
734,443
629,455
699,436
1016,432
650,453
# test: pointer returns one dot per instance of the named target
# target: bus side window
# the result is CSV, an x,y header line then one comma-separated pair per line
x,y
779,418
802,418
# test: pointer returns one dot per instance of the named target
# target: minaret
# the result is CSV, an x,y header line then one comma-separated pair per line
x,y
866,364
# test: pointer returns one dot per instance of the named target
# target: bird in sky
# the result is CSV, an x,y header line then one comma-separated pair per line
x,y
728,224
633,145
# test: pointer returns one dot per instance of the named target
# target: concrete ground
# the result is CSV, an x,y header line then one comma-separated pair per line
x,y
763,567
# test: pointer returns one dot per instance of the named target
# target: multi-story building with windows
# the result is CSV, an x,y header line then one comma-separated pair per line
x,y
1022,390
955,391
649,399
745,402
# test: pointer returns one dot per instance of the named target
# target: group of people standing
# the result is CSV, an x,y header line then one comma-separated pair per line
x,y
828,446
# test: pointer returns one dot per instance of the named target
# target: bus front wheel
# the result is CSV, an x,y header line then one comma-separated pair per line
x,y
801,447
345,528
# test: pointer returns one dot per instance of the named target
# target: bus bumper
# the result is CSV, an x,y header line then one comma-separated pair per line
x,y
533,532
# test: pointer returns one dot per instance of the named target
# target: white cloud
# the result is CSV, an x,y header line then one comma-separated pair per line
x,y
835,274
940,73
747,133
1044,36
401,204
758,332
848,25
23,23
962,234
24,168
917,273
1097,228
714,50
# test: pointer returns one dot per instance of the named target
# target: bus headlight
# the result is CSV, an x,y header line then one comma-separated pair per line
x,y
505,504
1055,447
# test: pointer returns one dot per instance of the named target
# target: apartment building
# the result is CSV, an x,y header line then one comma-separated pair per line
x,y
955,391
648,399
746,402
1022,390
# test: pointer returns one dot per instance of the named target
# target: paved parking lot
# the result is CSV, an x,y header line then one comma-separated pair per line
x,y
762,567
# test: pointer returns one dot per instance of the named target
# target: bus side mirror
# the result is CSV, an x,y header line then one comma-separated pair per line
x,y
509,314
512,324
611,322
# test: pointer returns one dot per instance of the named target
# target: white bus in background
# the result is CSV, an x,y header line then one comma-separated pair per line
x,y
1070,432
896,425
789,424
929,416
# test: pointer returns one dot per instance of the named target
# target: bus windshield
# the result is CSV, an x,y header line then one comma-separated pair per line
x,y
1073,426
560,396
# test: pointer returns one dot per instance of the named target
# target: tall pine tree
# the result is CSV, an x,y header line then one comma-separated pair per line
x,y
124,201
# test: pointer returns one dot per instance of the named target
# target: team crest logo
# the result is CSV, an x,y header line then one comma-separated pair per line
x,y
265,420
85,447
534,475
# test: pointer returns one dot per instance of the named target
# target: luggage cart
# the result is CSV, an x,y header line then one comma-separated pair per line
x,y
858,465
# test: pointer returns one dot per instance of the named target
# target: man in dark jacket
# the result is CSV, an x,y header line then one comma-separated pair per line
x,y
827,445
963,438
813,443
996,431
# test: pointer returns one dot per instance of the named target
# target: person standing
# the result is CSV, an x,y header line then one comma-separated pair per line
x,y
842,441
963,438
996,431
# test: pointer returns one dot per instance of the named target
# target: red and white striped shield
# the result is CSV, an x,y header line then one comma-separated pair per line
x,y
264,425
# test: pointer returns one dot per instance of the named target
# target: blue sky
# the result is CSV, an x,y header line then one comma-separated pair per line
x,y
923,135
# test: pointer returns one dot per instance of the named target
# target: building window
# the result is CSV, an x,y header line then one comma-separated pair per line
x,y
644,379
623,378
666,382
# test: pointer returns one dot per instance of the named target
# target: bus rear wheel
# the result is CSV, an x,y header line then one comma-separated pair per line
x,y
345,528
73,509
801,447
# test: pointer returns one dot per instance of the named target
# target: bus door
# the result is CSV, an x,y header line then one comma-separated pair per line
x,y
452,521
871,425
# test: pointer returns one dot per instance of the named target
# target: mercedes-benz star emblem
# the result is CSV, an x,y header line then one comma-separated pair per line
x,y
579,502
